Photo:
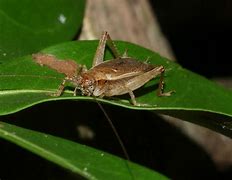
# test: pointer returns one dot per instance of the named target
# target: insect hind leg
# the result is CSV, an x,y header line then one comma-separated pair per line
x,y
161,86
99,55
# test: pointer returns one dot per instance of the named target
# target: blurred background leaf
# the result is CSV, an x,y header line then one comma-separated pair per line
x,y
28,26
86,161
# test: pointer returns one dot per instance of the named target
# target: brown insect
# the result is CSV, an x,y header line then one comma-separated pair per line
x,y
118,76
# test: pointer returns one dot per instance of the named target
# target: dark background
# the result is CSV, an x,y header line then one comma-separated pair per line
x,y
199,32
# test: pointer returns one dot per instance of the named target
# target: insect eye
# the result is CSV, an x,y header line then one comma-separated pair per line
x,y
91,88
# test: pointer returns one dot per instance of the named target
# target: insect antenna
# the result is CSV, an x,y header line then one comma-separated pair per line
x,y
118,138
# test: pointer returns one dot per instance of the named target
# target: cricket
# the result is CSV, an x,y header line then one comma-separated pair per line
x,y
121,75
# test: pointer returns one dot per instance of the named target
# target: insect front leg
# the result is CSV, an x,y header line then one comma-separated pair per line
x,y
61,88
99,55
81,69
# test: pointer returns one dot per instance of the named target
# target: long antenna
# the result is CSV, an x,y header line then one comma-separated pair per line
x,y
118,138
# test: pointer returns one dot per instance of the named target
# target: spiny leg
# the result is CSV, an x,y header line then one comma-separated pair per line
x,y
147,60
110,43
161,86
99,55
61,88
125,54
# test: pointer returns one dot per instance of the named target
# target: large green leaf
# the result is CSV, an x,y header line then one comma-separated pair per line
x,y
27,26
86,161
25,83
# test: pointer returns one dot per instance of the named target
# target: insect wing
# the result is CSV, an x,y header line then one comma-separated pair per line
x,y
119,69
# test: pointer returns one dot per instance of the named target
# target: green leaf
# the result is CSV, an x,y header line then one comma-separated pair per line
x,y
86,161
24,83
28,26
